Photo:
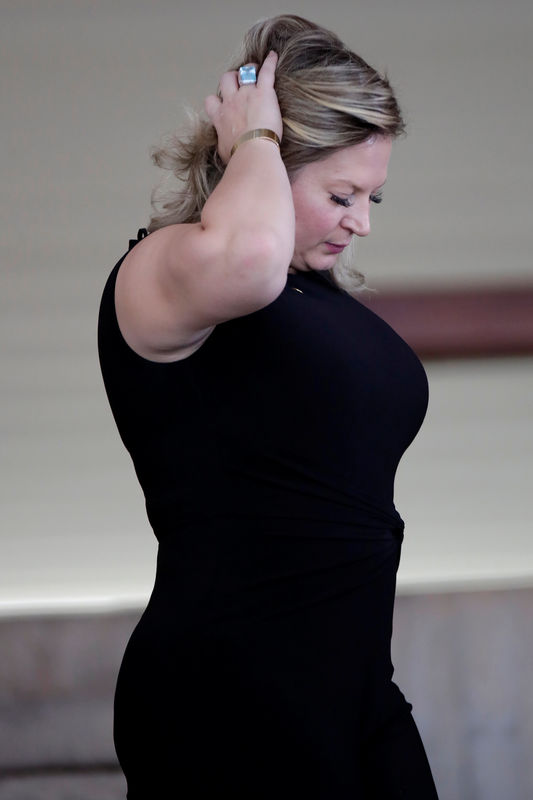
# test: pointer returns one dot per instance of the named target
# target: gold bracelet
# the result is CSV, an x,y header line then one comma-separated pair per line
x,y
258,133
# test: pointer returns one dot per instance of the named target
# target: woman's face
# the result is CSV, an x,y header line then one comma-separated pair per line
x,y
332,200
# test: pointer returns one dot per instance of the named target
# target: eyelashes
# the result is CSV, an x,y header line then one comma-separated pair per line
x,y
341,201
346,202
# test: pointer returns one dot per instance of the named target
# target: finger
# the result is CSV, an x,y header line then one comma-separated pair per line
x,y
212,104
228,84
267,73
247,85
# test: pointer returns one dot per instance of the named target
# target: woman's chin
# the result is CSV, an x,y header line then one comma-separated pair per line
x,y
316,261
324,263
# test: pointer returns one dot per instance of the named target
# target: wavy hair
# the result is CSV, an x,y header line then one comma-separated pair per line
x,y
329,98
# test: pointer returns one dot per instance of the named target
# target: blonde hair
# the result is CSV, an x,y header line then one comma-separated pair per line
x,y
329,98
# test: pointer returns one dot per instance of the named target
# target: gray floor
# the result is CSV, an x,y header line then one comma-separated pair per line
x,y
80,786
463,660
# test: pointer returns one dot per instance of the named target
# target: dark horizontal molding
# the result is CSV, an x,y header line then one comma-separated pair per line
x,y
59,770
460,322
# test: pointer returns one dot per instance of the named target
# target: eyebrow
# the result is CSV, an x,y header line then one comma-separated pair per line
x,y
356,188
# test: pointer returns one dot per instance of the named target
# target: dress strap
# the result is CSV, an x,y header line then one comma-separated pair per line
x,y
141,234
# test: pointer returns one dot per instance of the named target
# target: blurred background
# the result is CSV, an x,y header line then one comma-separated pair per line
x,y
88,87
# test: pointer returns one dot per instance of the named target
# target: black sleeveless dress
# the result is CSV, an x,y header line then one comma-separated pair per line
x,y
261,667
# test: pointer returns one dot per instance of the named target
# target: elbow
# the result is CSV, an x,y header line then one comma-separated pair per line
x,y
262,260
264,253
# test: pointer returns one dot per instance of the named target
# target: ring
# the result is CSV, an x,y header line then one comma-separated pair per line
x,y
247,75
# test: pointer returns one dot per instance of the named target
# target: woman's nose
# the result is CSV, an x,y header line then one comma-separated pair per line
x,y
357,220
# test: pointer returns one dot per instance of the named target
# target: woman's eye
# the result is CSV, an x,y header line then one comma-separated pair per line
x,y
346,202
342,201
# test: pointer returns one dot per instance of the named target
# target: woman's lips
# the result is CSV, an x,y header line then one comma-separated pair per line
x,y
335,248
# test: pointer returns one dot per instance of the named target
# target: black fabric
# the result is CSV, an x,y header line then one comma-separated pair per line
x,y
261,666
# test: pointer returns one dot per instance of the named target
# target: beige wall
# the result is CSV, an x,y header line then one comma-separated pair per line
x,y
88,87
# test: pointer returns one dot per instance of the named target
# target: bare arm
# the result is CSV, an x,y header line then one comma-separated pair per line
x,y
182,280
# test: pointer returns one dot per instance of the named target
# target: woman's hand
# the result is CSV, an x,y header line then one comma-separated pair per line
x,y
244,108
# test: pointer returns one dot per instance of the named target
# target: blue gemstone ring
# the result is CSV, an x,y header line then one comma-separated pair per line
x,y
247,75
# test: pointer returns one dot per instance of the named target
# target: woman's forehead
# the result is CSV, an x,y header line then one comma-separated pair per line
x,y
368,160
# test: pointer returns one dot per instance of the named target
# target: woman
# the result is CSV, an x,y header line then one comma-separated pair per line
x,y
266,410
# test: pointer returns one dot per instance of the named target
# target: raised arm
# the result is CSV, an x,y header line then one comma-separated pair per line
x,y
182,280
